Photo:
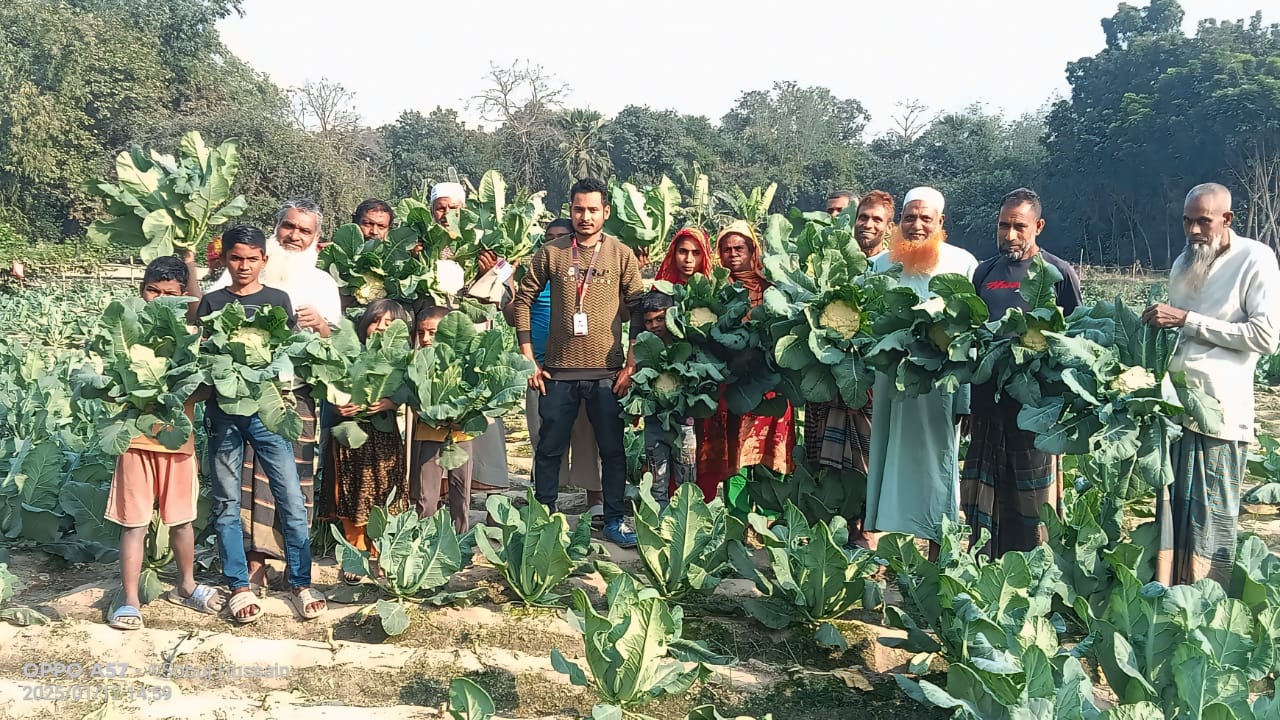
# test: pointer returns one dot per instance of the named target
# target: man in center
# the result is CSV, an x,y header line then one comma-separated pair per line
x,y
913,478
591,276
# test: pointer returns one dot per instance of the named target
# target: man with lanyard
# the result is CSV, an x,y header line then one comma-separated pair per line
x,y
590,276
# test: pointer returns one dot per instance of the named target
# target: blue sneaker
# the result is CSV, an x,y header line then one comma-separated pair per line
x,y
619,533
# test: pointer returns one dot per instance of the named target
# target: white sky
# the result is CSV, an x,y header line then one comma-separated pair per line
x,y
693,57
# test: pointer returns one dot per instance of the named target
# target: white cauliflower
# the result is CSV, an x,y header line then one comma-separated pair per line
x,y
1033,339
702,317
371,290
1133,379
666,384
450,277
842,317
257,345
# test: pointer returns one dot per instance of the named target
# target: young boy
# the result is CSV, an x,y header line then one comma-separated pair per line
x,y
149,474
672,456
425,472
244,252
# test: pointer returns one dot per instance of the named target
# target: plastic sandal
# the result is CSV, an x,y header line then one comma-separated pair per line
x,y
306,596
203,599
126,617
240,601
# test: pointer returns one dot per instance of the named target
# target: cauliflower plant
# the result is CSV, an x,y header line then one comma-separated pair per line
x,y
842,317
371,290
450,277
1133,379
702,317
938,334
1033,339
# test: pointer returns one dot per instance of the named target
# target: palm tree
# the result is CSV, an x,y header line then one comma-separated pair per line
x,y
584,150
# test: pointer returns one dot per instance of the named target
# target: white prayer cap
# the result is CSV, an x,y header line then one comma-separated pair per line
x,y
930,197
451,190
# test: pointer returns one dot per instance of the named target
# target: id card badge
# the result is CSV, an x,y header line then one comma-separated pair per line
x,y
579,324
503,270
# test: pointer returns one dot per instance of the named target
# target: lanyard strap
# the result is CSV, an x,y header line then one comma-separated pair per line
x,y
583,278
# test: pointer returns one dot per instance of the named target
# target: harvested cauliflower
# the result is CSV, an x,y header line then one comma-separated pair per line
x,y
1133,379
371,290
450,277
842,317
257,345
702,317
666,384
1033,339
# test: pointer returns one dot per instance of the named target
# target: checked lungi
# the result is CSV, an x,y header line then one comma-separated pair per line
x,y
1006,480
1199,511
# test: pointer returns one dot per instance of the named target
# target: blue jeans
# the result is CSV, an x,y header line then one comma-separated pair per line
x,y
558,411
672,457
227,436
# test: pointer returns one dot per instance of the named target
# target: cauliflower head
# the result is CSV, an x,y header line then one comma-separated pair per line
x,y
256,343
842,317
702,317
1033,339
372,289
666,384
450,277
1133,379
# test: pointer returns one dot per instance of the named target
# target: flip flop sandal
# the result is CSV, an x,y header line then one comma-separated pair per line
x,y
126,617
203,599
240,601
306,596
350,578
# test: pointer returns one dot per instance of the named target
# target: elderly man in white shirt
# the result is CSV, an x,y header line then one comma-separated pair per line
x,y
1224,296
315,299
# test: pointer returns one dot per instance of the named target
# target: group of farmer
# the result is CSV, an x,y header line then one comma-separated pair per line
x,y
568,311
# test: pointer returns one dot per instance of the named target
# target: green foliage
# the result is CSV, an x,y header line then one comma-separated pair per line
x,y
683,547
635,651
249,366
533,549
146,360
463,379
416,555
164,202
821,493
344,372
509,229
469,701
374,269
816,578
644,219
1268,370
1264,465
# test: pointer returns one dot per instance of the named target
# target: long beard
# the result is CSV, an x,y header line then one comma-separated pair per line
x,y
1191,268
917,258
286,265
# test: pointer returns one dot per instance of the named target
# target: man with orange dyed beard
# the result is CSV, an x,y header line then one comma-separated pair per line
x,y
913,478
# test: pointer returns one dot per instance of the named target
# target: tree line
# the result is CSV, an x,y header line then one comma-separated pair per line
x,y
1153,113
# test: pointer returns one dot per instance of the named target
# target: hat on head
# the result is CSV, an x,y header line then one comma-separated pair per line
x,y
930,197
451,190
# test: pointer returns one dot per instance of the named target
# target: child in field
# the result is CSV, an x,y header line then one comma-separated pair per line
x,y
149,474
425,473
672,456
370,474
244,252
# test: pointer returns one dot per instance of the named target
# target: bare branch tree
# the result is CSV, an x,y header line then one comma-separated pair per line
x,y
911,122
324,107
524,100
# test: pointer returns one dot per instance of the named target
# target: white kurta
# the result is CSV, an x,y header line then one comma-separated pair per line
x,y
913,475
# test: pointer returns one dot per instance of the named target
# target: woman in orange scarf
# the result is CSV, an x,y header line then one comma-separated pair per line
x,y
688,255
727,442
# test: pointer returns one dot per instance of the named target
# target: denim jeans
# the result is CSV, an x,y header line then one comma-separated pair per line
x,y
672,457
558,410
227,436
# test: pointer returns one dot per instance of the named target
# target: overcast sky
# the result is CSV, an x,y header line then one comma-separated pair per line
x,y
693,56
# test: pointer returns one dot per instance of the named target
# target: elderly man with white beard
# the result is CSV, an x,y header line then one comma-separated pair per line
x,y
1224,298
913,474
314,295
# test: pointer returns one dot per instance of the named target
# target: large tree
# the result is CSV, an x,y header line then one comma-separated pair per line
x,y
424,147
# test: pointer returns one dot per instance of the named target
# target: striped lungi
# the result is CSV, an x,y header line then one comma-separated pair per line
x,y
837,436
1006,480
1198,512
262,531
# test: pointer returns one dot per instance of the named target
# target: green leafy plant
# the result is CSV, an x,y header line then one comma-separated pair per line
x,y
347,372
815,577
415,555
368,270
672,382
644,219
634,651
684,547
821,493
464,378
532,548
147,362
469,701
249,366
509,229
1264,465
164,202
18,614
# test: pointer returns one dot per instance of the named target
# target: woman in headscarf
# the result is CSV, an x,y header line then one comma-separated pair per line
x,y
689,254
727,442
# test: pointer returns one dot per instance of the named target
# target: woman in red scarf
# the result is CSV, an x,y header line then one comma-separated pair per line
x,y
688,255
727,442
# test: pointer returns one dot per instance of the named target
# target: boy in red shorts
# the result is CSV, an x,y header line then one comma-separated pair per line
x,y
149,475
